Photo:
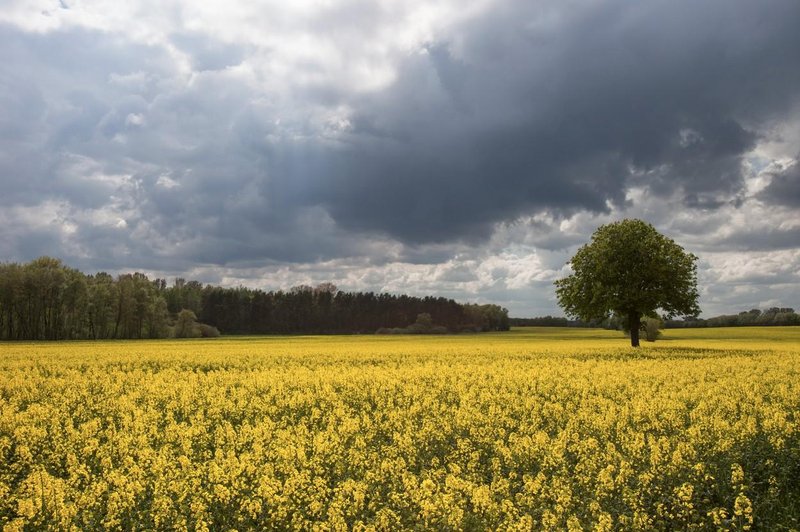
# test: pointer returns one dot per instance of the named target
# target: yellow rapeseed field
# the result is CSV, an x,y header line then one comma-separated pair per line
x,y
528,430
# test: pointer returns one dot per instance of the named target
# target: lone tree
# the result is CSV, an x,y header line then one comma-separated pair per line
x,y
632,270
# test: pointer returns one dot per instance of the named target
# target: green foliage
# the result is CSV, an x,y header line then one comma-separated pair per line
x,y
651,326
186,325
423,325
208,331
45,300
632,270
424,320
487,317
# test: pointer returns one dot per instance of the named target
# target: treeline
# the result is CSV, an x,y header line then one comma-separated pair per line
x,y
46,300
612,322
549,321
326,310
754,317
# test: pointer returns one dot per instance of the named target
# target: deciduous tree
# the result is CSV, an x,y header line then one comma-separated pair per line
x,y
631,270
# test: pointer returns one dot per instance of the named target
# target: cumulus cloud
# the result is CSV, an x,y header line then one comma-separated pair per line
x,y
461,149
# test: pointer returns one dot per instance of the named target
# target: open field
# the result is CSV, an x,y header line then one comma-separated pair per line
x,y
535,428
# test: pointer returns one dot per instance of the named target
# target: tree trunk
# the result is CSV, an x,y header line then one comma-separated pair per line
x,y
634,321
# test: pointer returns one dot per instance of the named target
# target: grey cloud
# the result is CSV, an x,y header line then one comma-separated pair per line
x,y
784,189
530,108
510,120
457,274
762,240
54,113
207,53
207,140
38,242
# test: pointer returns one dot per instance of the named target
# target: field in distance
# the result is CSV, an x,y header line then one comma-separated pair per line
x,y
535,428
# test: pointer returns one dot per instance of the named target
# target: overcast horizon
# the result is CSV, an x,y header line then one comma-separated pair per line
x,y
456,149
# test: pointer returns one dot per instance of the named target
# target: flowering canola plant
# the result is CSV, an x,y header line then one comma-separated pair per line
x,y
528,430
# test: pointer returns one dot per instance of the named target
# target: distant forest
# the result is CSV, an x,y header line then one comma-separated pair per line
x,y
46,300
755,317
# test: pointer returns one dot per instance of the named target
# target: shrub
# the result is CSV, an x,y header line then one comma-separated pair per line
x,y
207,331
652,328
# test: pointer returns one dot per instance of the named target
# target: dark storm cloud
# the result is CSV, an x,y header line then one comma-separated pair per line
x,y
784,189
530,107
512,117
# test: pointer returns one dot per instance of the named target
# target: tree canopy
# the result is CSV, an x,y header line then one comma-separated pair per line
x,y
631,270
46,300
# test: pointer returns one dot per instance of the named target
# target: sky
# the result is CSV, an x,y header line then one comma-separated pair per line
x,y
455,148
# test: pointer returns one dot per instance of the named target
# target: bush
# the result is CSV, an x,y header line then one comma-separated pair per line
x,y
207,331
392,330
423,325
651,327
186,325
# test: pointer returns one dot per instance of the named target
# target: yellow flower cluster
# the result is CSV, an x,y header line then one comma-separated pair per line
x,y
523,431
